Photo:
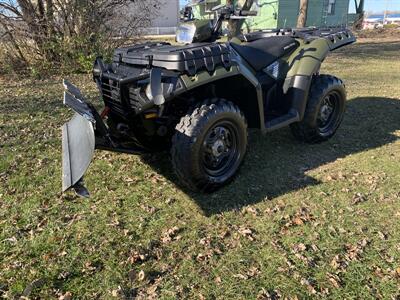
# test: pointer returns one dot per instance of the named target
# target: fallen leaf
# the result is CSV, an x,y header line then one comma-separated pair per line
x,y
330,178
170,234
137,257
252,210
66,296
247,232
116,293
240,276
298,221
309,284
398,272
141,275
383,236
252,272
268,295
299,248
334,282
200,257
149,209
170,200
358,198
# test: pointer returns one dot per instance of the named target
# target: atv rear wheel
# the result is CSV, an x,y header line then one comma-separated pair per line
x,y
324,112
209,145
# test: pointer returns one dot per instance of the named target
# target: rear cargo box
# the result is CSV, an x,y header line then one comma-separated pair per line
x,y
188,59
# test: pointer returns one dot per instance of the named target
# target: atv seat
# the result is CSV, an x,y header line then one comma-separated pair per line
x,y
261,53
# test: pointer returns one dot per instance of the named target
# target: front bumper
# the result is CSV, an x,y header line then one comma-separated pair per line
x,y
84,133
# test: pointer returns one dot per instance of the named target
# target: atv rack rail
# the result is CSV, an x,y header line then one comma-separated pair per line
x,y
337,36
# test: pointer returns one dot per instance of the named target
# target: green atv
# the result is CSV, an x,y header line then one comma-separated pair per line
x,y
199,99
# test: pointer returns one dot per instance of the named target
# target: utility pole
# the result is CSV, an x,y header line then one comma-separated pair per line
x,y
302,19
385,14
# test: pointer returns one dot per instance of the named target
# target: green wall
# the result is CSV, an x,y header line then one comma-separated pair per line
x,y
341,14
316,15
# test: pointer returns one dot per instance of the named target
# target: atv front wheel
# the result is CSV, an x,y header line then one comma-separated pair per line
x,y
209,145
324,112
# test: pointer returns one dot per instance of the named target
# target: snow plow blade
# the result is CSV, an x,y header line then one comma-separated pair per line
x,y
78,144
84,133
78,140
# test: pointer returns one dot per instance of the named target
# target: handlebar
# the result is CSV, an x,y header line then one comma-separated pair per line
x,y
218,7
228,11
248,13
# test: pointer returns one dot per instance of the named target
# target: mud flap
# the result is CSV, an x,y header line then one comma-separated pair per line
x,y
78,144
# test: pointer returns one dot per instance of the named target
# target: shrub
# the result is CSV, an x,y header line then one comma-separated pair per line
x,y
42,36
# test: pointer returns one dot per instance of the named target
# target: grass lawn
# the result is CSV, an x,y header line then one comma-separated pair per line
x,y
300,221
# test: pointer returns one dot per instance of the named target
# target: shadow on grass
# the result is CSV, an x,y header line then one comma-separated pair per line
x,y
276,163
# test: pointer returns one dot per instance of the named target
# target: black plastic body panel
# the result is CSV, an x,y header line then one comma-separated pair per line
x,y
188,59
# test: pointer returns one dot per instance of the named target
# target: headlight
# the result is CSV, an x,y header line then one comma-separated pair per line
x,y
148,92
98,67
185,33
167,88
96,72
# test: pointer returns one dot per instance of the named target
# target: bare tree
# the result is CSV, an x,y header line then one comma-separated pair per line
x,y
61,30
302,19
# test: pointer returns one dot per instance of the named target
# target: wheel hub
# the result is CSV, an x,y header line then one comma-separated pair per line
x,y
329,113
326,111
218,148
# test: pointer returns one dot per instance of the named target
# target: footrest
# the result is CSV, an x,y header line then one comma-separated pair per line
x,y
282,121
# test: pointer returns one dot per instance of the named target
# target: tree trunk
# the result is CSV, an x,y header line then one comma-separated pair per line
x,y
37,19
360,14
14,42
302,19
50,17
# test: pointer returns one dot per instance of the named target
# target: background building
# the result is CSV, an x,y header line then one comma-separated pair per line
x,y
284,13
167,19
320,12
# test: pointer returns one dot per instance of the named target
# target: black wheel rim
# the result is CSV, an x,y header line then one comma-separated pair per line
x,y
329,113
220,150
